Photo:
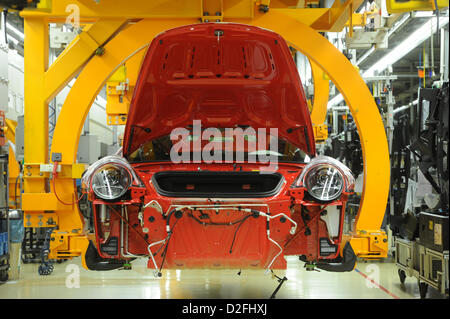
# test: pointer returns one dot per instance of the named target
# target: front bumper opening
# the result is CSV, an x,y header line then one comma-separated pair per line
x,y
207,184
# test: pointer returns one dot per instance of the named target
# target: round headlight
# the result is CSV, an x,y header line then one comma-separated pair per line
x,y
324,182
111,181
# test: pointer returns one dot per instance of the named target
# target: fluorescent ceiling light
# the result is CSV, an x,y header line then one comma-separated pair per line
x,y
423,14
15,41
396,26
415,39
411,42
15,30
335,100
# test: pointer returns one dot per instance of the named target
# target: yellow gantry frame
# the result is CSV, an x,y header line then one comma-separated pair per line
x,y
124,31
13,165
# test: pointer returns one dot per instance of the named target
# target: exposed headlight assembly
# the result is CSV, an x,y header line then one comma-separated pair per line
x,y
110,178
325,178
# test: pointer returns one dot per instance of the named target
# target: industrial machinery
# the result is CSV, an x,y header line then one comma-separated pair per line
x,y
4,204
19,4
115,34
421,229
242,200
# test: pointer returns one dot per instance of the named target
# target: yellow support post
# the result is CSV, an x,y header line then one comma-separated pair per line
x,y
36,107
320,102
117,102
321,94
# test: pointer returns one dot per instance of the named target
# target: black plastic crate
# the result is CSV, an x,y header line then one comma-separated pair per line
x,y
433,231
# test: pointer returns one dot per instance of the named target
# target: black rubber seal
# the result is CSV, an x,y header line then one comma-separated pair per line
x,y
217,184
95,262
348,262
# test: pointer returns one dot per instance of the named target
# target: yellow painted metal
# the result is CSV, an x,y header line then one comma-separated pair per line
x,y
319,107
13,179
45,202
45,5
132,42
212,11
395,6
69,62
335,18
65,171
13,165
321,94
358,20
67,245
134,9
321,19
40,220
120,88
370,244
117,102
320,132
41,84
361,104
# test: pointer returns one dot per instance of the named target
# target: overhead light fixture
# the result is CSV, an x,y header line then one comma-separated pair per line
x,y
411,42
13,40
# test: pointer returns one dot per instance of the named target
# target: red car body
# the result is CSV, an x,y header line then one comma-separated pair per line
x,y
233,214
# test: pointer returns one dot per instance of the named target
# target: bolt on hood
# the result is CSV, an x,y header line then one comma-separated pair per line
x,y
223,74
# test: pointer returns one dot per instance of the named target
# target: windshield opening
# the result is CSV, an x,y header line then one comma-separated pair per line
x,y
219,145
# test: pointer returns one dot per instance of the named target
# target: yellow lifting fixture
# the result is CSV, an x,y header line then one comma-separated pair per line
x,y
114,39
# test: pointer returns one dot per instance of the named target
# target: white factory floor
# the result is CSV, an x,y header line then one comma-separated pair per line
x,y
139,283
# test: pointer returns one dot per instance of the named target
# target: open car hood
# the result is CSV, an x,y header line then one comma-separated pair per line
x,y
223,74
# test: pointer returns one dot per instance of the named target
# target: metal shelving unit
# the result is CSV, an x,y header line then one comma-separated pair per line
x,y
429,266
4,216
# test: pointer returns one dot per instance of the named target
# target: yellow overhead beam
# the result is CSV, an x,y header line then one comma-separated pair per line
x,y
395,6
321,94
320,102
320,19
133,9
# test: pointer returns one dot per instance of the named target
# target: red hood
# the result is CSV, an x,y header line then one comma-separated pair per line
x,y
245,76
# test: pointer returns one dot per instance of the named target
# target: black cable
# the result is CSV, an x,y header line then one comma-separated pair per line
x,y
164,253
235,232
169,235
218,224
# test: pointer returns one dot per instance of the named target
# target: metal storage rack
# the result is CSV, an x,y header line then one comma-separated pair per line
x,y
4,216
430,267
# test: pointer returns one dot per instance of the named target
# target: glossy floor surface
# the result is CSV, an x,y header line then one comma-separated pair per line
x,y
370,280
